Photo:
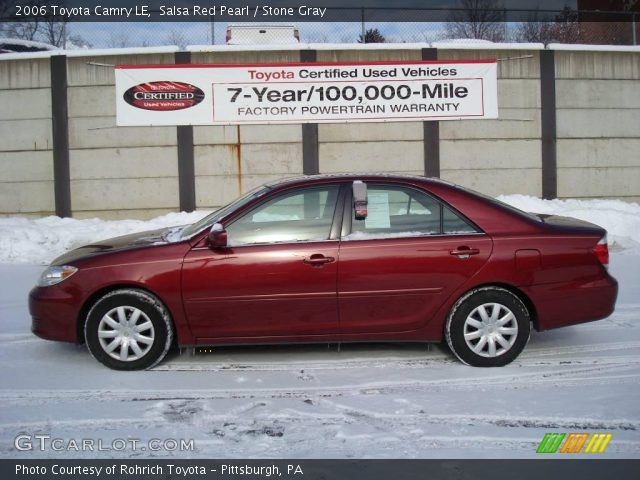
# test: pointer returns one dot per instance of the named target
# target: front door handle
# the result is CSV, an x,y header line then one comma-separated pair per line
x,y
464,252
317,260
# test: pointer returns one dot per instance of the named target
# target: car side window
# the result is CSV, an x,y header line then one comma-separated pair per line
x,y
454,224
299,216
396,212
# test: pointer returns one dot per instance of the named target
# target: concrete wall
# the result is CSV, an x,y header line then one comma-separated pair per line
x,y
371,147
26,156
498,156
116,172
132,172
233,160
598,117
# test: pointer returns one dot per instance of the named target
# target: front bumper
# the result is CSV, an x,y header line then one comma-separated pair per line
x,y
54,314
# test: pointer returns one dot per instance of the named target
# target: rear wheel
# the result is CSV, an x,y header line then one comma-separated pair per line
x,y
128,329
488,327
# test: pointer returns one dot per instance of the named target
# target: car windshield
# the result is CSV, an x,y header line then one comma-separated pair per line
x,y
212,218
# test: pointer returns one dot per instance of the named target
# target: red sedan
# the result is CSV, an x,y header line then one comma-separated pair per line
x,y
332,259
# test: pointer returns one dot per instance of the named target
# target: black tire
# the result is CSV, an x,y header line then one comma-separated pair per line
x,y
152,343
471,315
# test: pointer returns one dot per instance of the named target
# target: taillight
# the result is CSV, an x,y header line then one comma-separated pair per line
x,y
602,251
228,35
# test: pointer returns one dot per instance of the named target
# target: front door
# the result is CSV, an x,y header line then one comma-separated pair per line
x,y
276,279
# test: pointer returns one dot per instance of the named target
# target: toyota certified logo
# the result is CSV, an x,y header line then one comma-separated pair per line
x,y
163,96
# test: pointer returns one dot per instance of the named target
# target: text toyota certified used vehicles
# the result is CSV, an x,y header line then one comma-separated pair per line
x,y
332,259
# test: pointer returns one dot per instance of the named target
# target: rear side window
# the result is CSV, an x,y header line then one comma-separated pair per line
x,y
454,224
394,212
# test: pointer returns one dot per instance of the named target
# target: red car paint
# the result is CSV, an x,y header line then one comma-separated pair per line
x,y
385,289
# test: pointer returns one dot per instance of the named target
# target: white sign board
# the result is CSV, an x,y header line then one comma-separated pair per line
x,y
305,93
378,215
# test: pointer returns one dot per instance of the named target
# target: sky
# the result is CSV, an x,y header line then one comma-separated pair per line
x,y
117,34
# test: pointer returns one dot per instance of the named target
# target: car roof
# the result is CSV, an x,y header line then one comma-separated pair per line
x,y
311,179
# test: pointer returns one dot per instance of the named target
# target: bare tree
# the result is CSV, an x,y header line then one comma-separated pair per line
x,y
346,38
567,28
50,30
535,29
78,41
176,37
564,28
118,40
22,30
481,19
54,32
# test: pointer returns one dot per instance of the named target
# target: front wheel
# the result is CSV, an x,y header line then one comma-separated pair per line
x,y
128,329
488,327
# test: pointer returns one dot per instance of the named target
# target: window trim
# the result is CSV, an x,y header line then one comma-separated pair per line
x,y
348,217
334,228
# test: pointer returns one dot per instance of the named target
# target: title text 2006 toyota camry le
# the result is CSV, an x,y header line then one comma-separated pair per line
x,y
332,259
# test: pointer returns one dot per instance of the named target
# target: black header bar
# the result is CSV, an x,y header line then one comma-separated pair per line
x,y
153,469
250,11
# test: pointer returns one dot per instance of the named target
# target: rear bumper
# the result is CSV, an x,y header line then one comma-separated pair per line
x,y
562,304
53,314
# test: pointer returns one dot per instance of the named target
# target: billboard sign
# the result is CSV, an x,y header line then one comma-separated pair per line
x,y
305,93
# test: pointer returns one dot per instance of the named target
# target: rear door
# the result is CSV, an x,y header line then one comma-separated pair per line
x,y
399,264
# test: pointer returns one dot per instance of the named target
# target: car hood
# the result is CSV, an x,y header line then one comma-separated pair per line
x,y
151,238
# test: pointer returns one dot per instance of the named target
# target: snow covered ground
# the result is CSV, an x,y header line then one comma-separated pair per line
x,y
359,401
362,401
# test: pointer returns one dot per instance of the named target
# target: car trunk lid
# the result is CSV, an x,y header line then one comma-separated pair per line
x,y
561,221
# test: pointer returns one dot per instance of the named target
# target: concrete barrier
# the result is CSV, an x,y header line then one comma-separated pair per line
x,y
132,172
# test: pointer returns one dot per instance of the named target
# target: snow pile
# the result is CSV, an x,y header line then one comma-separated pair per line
x,y
25,45
620,219
38,241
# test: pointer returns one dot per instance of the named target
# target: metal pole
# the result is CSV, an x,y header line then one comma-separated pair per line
x,y
364,32
213,30
635,28
506,27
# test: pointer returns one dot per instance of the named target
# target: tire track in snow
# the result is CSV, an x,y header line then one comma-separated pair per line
x,y
231,428
534,352
582,376
343,414
410,362
528,358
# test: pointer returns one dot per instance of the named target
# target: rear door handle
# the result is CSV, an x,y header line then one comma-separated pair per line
x,y
464,252
317,260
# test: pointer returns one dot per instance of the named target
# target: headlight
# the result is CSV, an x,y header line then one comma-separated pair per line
x,y
53,275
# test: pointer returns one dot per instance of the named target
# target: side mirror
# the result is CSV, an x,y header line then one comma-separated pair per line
x,y
360,200
217,236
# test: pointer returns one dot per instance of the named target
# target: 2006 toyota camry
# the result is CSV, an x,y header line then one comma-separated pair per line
x,y
332,259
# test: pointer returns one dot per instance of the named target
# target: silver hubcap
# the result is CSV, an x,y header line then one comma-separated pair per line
x,y
126,333
490,330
